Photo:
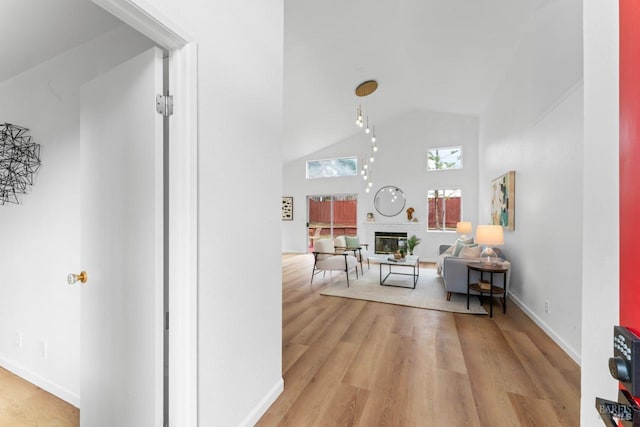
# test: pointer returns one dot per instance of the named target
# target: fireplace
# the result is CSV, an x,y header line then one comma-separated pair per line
x,y
389,242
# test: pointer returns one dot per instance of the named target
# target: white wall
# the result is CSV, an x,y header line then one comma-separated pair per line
x,y
533,125
401,160
41,236
240,74
600,271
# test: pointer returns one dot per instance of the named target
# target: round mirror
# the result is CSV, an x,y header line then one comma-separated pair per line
x,y
389,201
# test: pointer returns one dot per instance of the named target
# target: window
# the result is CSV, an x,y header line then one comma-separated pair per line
x,y
444,209
330,168
444,158
331,216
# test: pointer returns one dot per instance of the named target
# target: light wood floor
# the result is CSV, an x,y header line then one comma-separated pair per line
x,y
348,362
24,404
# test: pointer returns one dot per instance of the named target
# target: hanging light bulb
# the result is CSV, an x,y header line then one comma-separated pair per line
x,y
363,90
367,189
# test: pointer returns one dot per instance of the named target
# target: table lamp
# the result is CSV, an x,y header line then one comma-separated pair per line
x,y
489,235
463,228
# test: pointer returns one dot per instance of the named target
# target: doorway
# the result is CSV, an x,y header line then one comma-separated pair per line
x,y
180,172
53,118
329,216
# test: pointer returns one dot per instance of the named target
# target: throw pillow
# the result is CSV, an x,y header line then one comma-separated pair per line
x,y
498,252
467,241
340,242
458,248
325,246
352,241
470,251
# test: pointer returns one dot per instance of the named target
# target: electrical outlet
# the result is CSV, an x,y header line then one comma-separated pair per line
x,y
44,349
547,307
18,339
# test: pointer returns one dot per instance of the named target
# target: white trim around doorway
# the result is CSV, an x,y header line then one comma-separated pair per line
x,y
183,202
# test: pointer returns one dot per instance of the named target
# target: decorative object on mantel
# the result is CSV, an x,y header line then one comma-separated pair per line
x,y
489,235
410,212
370,217
503,201
19,161
363,90
287,208
412,242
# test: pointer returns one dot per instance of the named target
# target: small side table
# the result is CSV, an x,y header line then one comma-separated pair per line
x,y
498,268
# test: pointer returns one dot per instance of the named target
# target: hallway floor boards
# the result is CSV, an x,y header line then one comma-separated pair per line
x,y
24,404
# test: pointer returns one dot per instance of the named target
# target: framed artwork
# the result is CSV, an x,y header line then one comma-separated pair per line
x,y
287,208
503,201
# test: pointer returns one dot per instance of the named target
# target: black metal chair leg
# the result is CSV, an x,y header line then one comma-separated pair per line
x,y
313,272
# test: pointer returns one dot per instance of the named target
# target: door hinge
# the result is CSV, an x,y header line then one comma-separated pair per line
x,y
164,105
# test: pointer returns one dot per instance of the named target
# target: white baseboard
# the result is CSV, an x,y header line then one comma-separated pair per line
x,y
571,352
263,405
44,383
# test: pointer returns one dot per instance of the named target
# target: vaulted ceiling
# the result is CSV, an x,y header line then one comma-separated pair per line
x,y
442,55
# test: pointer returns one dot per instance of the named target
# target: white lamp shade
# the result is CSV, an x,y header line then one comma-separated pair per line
x,y
463,227
489,235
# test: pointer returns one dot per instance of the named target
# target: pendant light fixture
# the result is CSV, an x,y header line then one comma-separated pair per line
x,y
363,90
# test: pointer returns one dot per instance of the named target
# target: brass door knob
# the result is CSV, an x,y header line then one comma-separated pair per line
x,y
73,278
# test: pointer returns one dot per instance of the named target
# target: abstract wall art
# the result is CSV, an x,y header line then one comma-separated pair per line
x,y
19,161
287,208
503,201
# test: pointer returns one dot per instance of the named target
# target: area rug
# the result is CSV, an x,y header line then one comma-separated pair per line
x,y
429,292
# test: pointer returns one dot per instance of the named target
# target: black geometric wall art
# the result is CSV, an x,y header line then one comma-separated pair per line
x,y
19,161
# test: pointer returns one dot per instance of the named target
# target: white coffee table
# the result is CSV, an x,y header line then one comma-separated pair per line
x,y
410,261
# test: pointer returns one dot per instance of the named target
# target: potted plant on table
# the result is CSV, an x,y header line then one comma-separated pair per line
x,y
412,242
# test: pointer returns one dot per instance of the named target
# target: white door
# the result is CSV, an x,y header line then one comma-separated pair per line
x,y
122,239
